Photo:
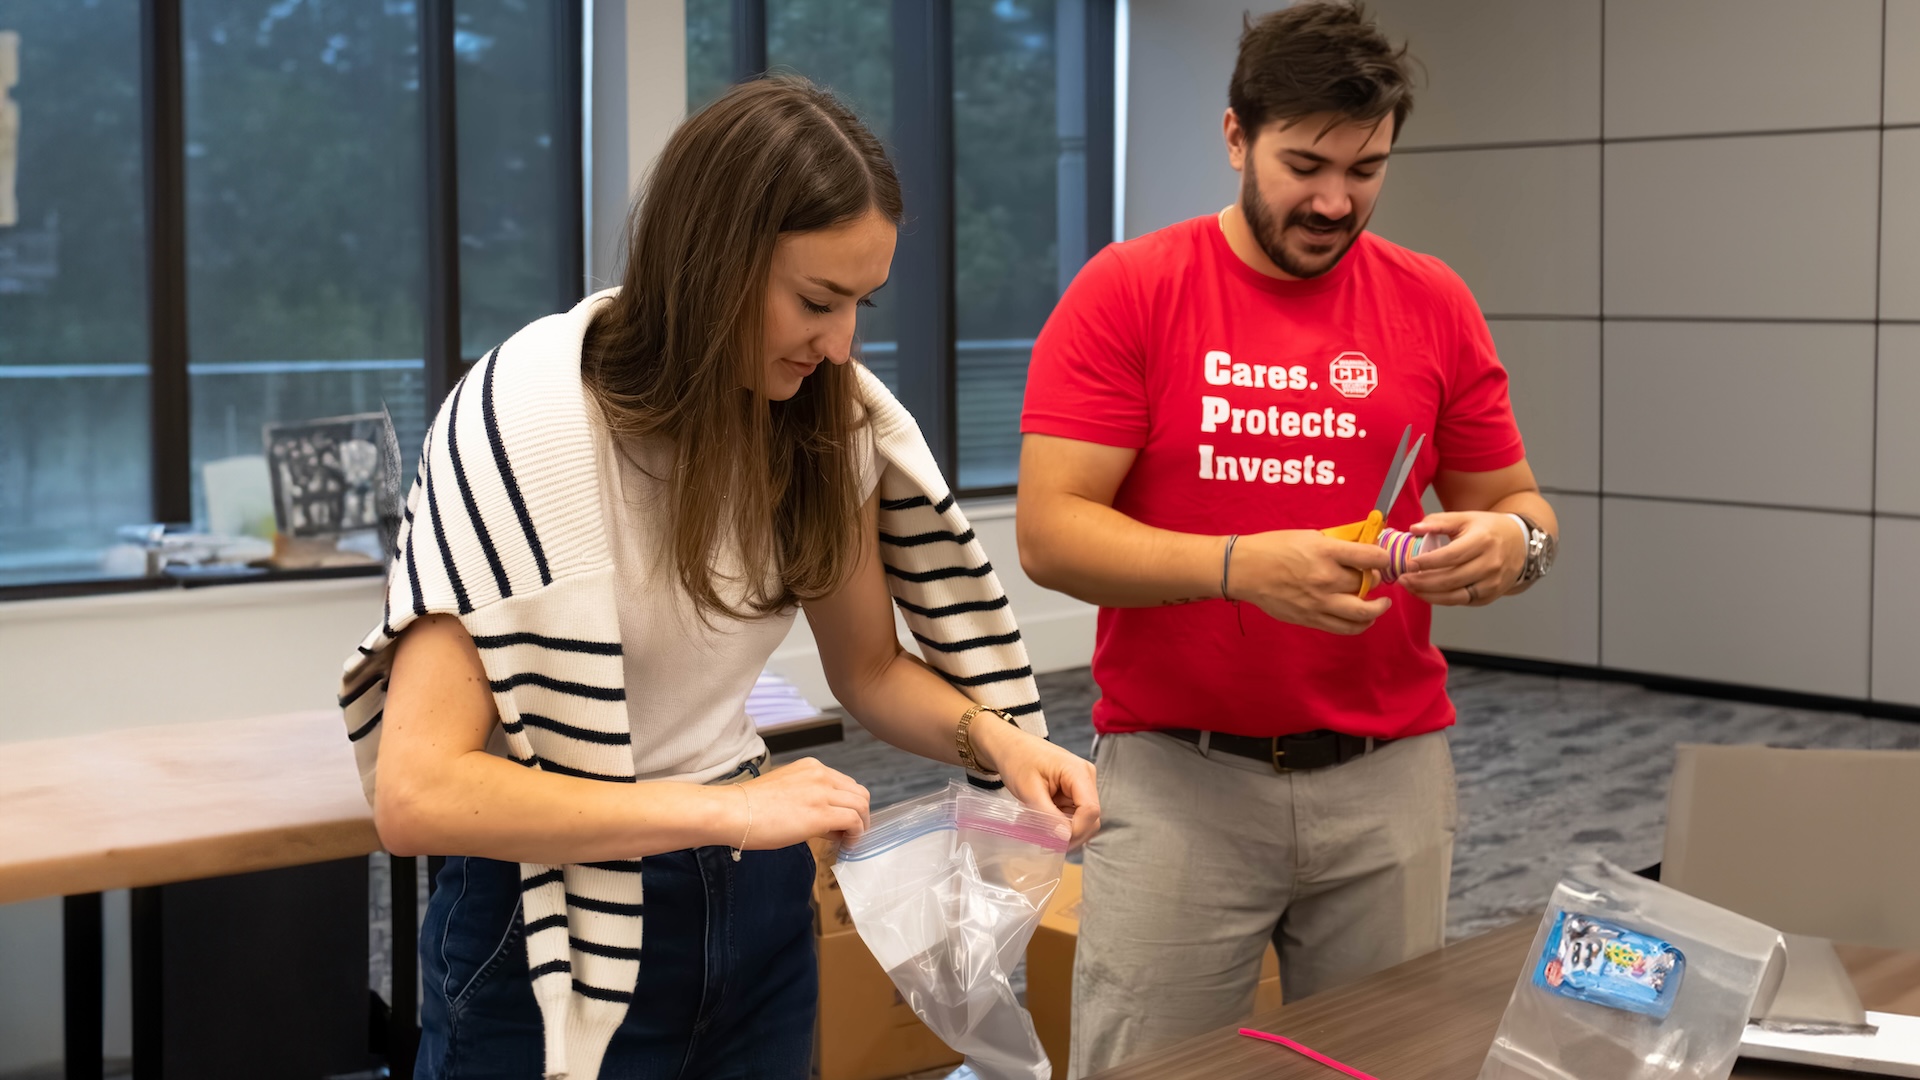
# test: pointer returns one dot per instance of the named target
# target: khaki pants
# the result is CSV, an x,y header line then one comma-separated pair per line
x,y
1201,860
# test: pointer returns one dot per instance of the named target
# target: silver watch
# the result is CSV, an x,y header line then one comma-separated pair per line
x,y
1541,548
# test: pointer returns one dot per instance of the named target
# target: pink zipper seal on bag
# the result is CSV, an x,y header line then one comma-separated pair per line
x,y
1314,1055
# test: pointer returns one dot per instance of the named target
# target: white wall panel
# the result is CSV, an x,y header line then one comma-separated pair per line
x,y
1770,598
1686,66
1767,413
1521,226
1772,227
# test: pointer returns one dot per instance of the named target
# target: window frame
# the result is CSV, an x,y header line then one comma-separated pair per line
x,y
164,199
924,145
922,289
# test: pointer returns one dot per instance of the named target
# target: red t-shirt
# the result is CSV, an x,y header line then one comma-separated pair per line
x,y
1260,404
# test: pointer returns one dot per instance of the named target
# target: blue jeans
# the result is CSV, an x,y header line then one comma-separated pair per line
x,y
728,975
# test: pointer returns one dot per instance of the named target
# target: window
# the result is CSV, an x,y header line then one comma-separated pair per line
x,y
517,164
1020,118
225,212
847,47
1019,190
73,328
305,243
709,50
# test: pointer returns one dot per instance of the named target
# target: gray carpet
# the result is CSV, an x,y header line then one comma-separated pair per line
x,y
1550,770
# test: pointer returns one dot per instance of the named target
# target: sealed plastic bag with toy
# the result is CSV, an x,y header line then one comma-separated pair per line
x,y
1631,980
946,890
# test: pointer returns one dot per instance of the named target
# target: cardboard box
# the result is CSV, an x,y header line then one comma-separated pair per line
x,y
865,1031
1823,843
829,907
1050,971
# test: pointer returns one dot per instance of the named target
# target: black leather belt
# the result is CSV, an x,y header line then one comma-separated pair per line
x,y
1288,753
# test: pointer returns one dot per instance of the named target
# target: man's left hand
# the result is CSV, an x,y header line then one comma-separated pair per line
x,y
1481,563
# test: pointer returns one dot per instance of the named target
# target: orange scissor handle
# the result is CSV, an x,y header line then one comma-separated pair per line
x,y
1361,532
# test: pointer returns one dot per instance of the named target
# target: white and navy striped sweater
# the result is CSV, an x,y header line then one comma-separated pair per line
x,y
503,529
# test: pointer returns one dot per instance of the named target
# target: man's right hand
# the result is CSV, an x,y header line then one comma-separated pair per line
x,y
1305,577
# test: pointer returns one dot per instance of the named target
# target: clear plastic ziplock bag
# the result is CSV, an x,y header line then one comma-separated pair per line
x,y
946,890
1631,980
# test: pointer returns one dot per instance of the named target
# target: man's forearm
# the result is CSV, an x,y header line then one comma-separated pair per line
x,y
1529,504
1098,554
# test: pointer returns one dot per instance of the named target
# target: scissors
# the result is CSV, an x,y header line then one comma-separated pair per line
x,y
1368,531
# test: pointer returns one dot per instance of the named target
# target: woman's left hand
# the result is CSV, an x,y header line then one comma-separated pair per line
x,y
1042,775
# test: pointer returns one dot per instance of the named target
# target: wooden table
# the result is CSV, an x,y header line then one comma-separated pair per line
x,y
1434,1019
152,806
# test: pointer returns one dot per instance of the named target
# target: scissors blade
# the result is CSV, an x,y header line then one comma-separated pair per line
x,y
1406,470
1390,487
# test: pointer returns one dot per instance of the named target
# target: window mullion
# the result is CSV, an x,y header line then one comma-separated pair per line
x,y
569,136
164,137
749,39
443,360
923,262
1100,69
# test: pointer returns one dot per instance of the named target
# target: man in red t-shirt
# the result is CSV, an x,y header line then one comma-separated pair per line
x,y
1204,400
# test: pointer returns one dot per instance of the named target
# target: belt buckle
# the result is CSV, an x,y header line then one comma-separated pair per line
x,y
1277,754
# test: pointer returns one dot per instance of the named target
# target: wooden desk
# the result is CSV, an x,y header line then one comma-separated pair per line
x,y
785,738
150,806
1434,1019
146,807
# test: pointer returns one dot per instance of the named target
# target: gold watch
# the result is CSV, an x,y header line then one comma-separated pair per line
x,y
963,738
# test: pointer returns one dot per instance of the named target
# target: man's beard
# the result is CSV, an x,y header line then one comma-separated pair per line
x,y
1271,235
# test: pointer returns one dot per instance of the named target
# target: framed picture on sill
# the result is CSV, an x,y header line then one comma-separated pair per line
x,y
327,474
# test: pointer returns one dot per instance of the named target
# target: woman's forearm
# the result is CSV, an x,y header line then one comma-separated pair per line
x,y
905,704
910,706
479,804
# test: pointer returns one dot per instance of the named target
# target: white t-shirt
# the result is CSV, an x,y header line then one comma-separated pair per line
x,y
687,679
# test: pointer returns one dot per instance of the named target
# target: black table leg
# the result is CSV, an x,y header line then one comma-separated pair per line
x,y
149,987
404,1032
252,975
85,974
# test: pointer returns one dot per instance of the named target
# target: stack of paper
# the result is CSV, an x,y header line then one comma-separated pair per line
x,y
774,701
1892,1050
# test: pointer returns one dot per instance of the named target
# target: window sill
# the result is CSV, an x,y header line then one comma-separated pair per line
x,y
60,590
990,504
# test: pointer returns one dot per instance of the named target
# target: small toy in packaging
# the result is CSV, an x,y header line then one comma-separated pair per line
x,y
1590,959
1630,980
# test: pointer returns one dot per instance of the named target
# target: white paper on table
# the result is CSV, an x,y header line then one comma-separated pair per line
x,y
1894,1050
774,700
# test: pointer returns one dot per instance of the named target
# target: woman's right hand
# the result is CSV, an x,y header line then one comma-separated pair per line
x,y
795,803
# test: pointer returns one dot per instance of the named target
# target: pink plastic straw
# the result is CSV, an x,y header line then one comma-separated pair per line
x,y
1305,1052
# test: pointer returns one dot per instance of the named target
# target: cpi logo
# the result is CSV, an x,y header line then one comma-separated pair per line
x,y
1353,374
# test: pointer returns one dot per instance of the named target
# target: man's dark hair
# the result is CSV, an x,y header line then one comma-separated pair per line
x,y
1319,56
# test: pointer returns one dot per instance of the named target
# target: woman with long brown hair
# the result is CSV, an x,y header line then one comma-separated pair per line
x,y
617,514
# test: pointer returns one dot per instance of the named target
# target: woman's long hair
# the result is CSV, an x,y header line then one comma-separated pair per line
x,y
679,353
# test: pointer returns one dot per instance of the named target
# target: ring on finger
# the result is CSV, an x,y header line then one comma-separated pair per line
x,y
1473,594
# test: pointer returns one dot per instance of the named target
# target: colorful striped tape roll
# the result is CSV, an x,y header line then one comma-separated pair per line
x,y
1401,547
